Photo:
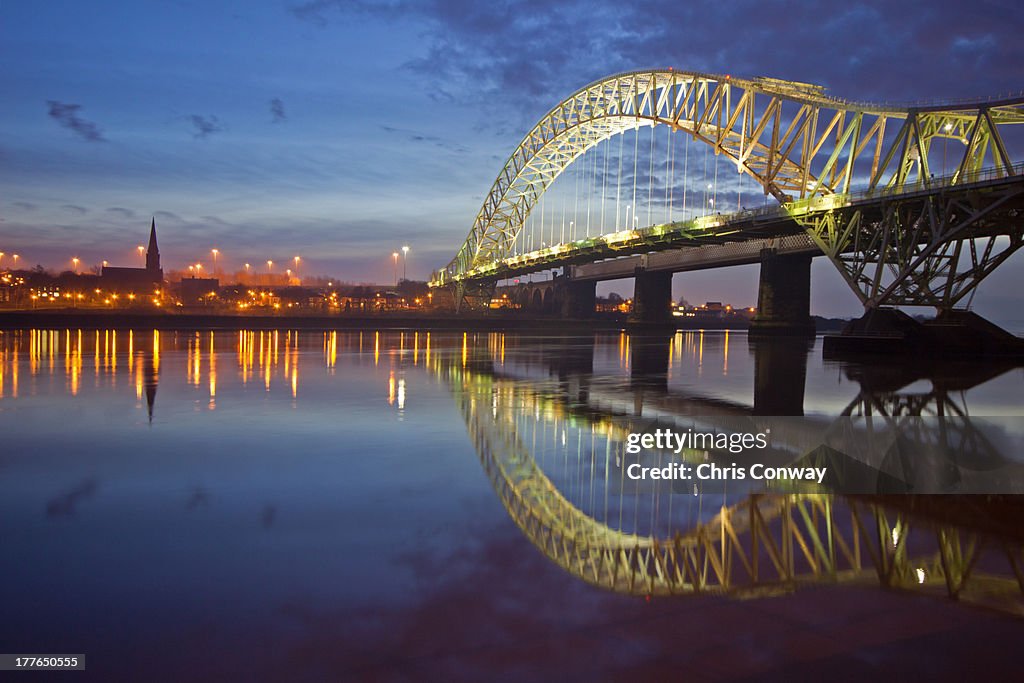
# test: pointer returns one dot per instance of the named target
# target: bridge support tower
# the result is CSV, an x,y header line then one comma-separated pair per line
x,y
577,299
783,296
652,297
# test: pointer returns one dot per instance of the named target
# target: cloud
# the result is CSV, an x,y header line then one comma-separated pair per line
x,y
277,111
413,136
122,212
205,125
167,215
514,60
66,115
25,206
74,208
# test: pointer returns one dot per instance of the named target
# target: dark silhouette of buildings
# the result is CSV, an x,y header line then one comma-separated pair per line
x,y
137,279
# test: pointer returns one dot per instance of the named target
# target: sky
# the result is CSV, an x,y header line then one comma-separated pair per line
x,y
341,131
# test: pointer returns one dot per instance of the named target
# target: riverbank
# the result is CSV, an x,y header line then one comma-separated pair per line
x,y
491,321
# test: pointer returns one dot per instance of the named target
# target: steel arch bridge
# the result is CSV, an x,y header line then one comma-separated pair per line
x,y
838,169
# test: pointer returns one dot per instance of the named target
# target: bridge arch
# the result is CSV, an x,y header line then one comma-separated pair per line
x,y
792,138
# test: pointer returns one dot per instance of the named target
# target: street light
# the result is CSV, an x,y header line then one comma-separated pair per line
x,y
15,257
142,253
74,262
394,255
297,259
246,268
215,252
405,262
270,265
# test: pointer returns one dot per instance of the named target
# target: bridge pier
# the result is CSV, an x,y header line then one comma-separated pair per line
x,y
577,299
783,295
652,297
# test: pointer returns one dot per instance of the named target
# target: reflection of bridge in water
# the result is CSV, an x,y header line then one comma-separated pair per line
x,y
556,459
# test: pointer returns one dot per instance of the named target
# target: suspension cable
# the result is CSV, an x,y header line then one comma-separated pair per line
x,y
636,150
618,179
650,181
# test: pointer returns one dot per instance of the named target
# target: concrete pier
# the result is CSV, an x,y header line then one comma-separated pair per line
x,y
652,297
783,296
576,299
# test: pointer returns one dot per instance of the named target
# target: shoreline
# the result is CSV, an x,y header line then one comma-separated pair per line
x,y
21,319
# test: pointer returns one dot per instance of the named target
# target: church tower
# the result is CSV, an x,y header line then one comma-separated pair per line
x,y
153,253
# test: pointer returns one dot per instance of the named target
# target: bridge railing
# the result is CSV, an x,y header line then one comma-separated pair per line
x,y
560,251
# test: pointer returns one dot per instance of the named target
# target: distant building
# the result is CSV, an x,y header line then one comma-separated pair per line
x,y
198,290
136,279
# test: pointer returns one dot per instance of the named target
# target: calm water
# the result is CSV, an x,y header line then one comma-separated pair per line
x,y
330,506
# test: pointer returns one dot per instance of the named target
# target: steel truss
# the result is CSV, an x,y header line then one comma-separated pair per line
x,y
794,140
924,249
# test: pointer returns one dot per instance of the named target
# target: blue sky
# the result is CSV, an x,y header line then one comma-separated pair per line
x,y
340,131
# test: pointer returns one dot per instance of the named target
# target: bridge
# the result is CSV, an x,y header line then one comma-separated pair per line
x,y
558,471
914,205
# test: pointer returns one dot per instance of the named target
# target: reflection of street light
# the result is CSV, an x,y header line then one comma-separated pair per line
x,y
405,262
394,255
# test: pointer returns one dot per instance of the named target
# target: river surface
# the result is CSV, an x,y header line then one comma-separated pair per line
x,y
282,505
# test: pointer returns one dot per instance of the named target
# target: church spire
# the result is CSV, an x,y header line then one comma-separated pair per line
x,y
153,253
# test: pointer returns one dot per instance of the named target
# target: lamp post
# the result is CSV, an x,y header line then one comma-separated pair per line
x,y
394,256
297,259
945,141
142,253
216,253
270,266
74,262
405,262
15,257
